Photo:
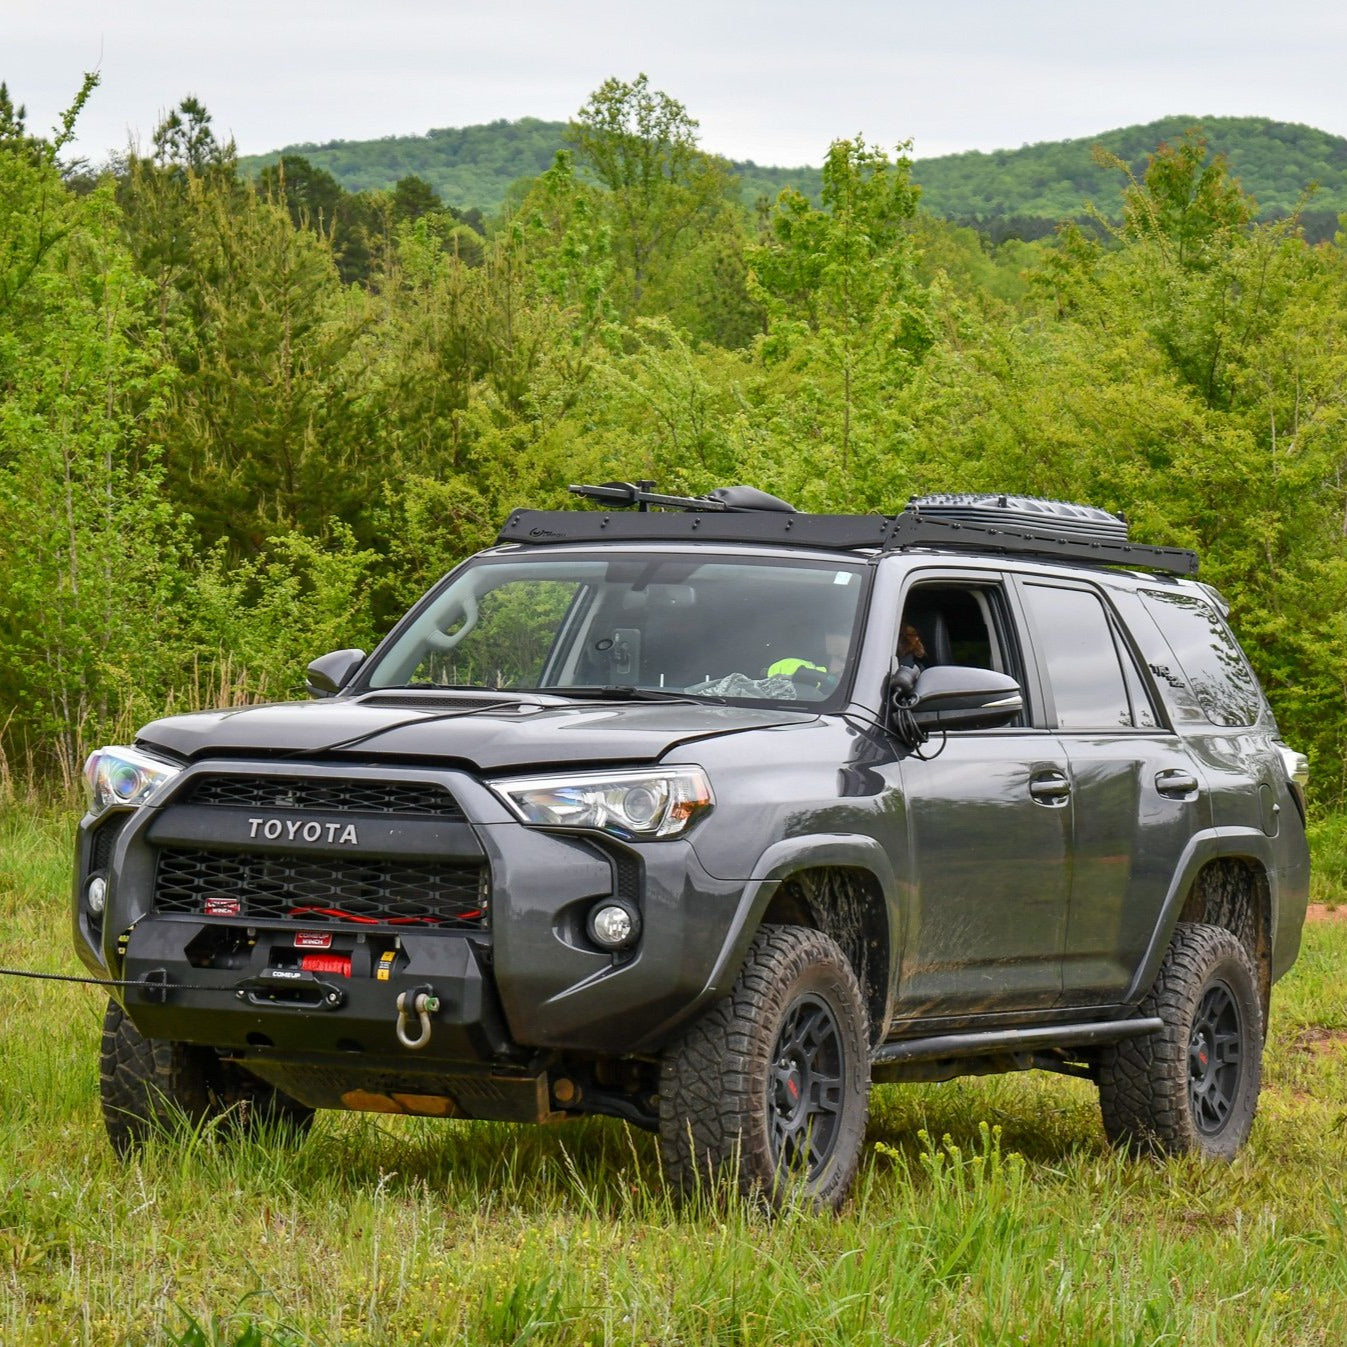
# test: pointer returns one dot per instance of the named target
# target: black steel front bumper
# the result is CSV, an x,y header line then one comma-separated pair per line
x,y
524,982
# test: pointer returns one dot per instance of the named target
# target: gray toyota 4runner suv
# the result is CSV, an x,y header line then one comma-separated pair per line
x,y
707,814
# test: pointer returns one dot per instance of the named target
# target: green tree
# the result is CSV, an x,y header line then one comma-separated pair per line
x,y
13,129
258,430
1205,271
641,145
414,197
88,620
317,201
184,141
1187,202
567,243
839,292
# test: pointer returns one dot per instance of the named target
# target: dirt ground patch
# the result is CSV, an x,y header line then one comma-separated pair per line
x,y
1320,1041
1322,912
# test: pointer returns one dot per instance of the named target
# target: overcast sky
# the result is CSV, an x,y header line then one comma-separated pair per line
x,y
769,80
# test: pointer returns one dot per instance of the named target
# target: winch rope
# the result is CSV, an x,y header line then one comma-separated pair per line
x,y
110,982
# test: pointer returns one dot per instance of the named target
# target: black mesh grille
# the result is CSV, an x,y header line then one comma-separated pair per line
x,y
626,876
315,889
105,838
365,797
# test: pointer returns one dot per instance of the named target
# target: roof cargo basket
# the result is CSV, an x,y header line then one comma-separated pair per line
x,y
1087,523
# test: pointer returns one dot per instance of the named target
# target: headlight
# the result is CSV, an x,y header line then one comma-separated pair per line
x,y
124,776
643,803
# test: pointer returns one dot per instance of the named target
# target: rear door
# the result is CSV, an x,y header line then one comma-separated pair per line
x,y
1136,795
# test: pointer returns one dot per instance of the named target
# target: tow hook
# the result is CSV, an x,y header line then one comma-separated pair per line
x,y
424,1003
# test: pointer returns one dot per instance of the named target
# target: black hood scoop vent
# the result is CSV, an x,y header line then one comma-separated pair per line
x,y
434,701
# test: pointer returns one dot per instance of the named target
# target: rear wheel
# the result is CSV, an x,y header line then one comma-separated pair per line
x,y
1193,1087
770,1087
154,1086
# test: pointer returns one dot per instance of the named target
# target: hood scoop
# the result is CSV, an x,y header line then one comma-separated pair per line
x,y
437,701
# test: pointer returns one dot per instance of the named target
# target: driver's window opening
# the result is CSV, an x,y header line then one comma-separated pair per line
x,y
950,626
944,624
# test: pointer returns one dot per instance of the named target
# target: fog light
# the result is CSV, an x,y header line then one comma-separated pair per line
x,y
97,895
613,925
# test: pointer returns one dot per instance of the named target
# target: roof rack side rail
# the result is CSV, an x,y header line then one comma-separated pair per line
x,y
834,533
912,529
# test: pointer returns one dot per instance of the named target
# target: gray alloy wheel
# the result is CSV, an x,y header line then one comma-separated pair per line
x,y
769,1089
1193,1087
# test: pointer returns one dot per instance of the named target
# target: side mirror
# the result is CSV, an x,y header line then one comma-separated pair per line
x,y
955,697
329,673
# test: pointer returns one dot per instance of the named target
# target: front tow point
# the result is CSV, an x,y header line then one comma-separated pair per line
x,y
424,1003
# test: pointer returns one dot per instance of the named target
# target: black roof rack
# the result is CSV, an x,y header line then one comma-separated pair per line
x,y
1012,525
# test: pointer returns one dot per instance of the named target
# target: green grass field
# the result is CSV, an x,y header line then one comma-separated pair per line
x,y
987,1212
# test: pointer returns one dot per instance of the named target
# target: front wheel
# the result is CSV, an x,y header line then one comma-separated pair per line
x,y
1191,1088
770,1087
151,1086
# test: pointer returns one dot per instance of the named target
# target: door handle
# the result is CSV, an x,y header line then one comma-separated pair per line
x,y
1050,788
1176,784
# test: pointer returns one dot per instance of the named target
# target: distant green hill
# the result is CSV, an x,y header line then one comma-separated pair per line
x,y
1276,161
476,165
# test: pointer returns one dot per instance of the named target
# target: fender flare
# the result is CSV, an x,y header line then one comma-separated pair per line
x,y
1212,844
852,850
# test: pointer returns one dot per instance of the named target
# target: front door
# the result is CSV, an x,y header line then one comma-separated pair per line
x,y
989,829
989,823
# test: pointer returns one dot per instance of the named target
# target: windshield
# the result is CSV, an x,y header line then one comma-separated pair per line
x,y
717,627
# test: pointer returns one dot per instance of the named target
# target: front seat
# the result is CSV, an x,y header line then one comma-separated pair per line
x,y
929,620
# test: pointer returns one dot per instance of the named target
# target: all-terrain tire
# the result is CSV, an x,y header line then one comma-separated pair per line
x,y
154,1086
770,1087
1191,1088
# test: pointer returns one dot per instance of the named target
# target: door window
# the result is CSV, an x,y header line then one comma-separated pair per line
x,y
1094,684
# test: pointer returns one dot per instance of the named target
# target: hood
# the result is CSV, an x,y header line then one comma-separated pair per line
x,y
483,734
